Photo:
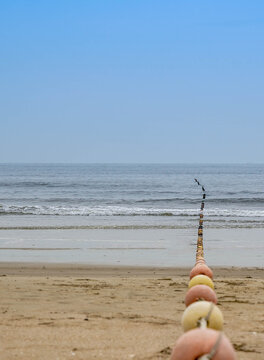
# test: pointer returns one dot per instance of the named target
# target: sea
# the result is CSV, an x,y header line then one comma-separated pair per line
x,y
115,213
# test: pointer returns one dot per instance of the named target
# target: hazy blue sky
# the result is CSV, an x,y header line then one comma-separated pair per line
x,y
132,81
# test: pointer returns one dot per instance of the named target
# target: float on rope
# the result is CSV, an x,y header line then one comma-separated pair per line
x,y
201,280
202,314
201,269
200,292
201,344
201,319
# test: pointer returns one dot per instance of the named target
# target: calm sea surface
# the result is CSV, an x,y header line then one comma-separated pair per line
x,y
130,214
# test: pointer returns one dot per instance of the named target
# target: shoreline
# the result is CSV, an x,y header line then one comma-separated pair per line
x,y
153,248
65,269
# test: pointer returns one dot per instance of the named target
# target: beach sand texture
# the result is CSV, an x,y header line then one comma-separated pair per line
x,y
82,312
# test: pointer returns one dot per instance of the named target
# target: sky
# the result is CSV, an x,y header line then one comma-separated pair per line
x,y
140,81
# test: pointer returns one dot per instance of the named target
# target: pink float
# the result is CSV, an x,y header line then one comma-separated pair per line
x,y
200,292
198,342
201,268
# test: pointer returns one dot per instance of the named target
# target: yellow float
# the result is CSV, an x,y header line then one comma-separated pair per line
x,y
202,313
201,280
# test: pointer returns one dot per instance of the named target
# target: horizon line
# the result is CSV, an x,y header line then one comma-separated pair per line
x,y
130,163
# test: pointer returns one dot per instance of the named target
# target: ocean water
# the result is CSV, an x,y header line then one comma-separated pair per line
x,y
111,208
131,195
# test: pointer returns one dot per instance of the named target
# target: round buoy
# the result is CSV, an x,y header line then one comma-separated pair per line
x,y
200,292
201,280
202,309
199,342
201,269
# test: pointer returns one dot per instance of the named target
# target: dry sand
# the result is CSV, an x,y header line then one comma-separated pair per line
x,y
80,312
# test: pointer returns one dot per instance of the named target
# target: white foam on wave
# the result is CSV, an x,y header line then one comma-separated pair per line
x,y
124,211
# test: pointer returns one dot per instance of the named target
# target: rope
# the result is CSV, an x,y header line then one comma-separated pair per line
x,y
203,322
213,350
199,250
211,308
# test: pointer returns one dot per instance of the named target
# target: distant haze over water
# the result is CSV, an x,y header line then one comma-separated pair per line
x,y
130,195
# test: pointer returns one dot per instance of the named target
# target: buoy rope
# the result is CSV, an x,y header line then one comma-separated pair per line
x,y
214,349
199,250
203,322
211,308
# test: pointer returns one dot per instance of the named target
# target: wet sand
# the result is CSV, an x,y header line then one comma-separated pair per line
x,y
61,311
144,247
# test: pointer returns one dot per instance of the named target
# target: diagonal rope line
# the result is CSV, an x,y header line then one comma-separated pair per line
x,y
214,349
203,322
211,308
200,250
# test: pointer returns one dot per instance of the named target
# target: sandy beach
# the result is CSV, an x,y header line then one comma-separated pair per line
x,y
61,311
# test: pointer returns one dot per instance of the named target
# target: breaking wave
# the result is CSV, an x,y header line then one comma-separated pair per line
x,y
124,211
